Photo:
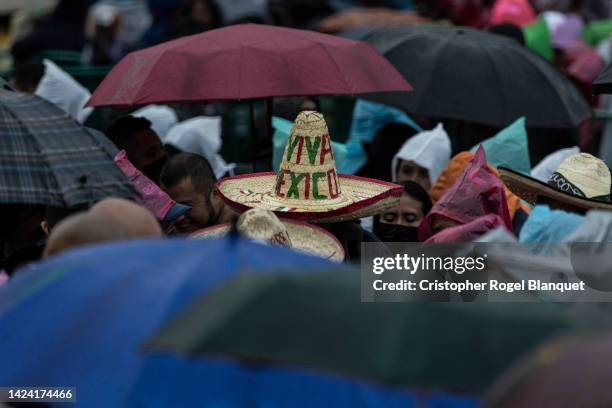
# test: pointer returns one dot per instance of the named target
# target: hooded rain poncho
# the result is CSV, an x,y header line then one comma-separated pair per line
x,y
476,193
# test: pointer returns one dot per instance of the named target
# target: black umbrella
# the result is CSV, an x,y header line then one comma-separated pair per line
x,y
477,77
603,83
47,158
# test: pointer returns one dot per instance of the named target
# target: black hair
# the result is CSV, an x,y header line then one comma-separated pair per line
x,y
298,13
28,73
122,129
53,215
387,142
193,166
416,191
186,9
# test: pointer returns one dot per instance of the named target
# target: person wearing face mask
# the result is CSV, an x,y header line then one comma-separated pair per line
x,y
141,144
400,224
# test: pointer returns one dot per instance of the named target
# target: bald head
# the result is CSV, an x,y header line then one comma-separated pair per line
x,y
83,229
139,221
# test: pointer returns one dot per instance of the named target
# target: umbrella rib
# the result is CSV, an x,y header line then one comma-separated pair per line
x,y
330,55
550,81
38,149
423,90
499,78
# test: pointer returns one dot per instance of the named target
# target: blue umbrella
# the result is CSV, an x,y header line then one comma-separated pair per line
x,y
77,320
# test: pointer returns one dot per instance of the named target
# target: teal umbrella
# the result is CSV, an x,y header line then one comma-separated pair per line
x,y
318,321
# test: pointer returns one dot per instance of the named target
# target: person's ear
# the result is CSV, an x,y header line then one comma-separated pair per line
x,y
45,227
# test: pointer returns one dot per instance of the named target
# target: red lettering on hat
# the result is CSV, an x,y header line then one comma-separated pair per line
x,y
325,148
307,187
299,153
331,174
280,181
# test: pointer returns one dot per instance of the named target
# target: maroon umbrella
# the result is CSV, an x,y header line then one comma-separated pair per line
x,y
244,62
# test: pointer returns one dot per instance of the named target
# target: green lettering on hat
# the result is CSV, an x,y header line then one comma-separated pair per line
x,y
315,185
296,179
312,149
292,143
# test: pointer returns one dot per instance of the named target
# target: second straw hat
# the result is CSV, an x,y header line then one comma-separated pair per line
x,y
307,186
263,225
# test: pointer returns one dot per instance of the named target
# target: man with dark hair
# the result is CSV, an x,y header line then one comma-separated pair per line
x,y
189,180
54,215
27,75
142,145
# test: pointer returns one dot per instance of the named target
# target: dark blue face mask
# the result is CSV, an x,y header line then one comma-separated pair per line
x,y
396,233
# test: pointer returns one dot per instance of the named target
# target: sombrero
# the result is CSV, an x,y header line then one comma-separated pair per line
x,y
263,225
581,180
307,186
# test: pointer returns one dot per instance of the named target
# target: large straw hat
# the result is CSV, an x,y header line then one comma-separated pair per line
x,y
581,180
307,186
263,225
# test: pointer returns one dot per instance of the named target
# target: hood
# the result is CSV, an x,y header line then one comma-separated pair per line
x,y
476,193
430,149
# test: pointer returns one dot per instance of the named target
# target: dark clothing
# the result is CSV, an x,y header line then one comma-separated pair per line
x,y
62,30
351,235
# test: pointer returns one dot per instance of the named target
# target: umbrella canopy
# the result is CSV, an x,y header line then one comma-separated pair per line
x,y
247,61
318,321
563,373
603,83
89,309
477,77
49,159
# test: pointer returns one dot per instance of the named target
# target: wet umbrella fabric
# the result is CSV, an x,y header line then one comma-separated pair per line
x,y
89,310
49,159
334,331
566,372
477,77
247,61
603,83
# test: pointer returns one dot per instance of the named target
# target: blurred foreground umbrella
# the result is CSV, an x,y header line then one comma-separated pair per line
x,y
47,158
88,311
247,61
318,321
567,372
603,83
477,77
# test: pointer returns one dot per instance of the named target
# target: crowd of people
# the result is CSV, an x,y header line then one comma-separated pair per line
x,y
395,177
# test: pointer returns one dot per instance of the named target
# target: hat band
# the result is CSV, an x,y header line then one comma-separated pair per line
x,y
558,181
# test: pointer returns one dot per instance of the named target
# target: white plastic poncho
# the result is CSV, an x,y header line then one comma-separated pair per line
x,y
59,88
162,118
549,164
430,149
200,135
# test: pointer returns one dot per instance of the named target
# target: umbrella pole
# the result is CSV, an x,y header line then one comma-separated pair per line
x,y
253,136
269,117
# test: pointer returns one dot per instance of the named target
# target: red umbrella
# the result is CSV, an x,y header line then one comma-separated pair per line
x,y
244,62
